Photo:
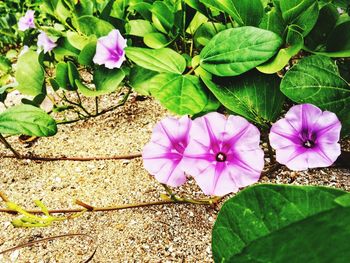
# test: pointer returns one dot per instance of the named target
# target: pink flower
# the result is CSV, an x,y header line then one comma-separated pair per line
x,y
306,138
45,42
110,50
162,155
27,21
223,153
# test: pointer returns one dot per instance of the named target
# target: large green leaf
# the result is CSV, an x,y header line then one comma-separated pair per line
x,y
181,94
321,238
90,25
30,74
244,12
325,23
316,80
140,79
162,16
294,43
253,95
139,27
303,13
273,21
87,53
28,120
107,80
237,50
339,39
161,60
263,212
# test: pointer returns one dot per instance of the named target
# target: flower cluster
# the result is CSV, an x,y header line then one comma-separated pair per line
x,y
223,153
109,49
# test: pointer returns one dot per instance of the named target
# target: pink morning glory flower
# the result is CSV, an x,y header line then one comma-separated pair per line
x,y
163,154
26,21
306,138
45,43
223,153
110,50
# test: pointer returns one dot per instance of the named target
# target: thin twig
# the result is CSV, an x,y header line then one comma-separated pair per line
x,y
8,146
78,159
118,207
32,243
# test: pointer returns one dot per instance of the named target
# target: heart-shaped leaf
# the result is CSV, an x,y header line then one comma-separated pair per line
x,y
28,120
319,238
181,94
90,25
253,95
316,80
244,12
160,60
237,50
30,74
263,212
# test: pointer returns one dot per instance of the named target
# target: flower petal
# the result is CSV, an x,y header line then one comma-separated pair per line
x,y
328,128
303,116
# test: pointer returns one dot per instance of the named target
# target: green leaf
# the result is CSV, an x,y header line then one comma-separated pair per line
x,y
206,32
198,20
294,44
30,74
237,50
139,27
73,74
156,40
263,212
161,60
87,53
77,40
162,17
107,80
62,75
303,13
181,94
316,80
339,39
244,12
64,49
5,65
90,25
326,22
273,21
253,95
317,239
140,79
28,120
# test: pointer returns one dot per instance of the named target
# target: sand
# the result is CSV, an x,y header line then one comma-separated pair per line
x,y
168,233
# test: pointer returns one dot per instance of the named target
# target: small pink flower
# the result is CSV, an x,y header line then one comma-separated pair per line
x,y
110,50
223,153
162,155
306,138
27,21
45,42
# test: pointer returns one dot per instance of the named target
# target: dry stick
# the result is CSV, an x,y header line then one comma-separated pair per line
x,y
102,209
8,146
89,208
32,243
79,159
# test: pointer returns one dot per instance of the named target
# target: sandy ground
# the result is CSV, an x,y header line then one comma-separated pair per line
x,y
169,233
